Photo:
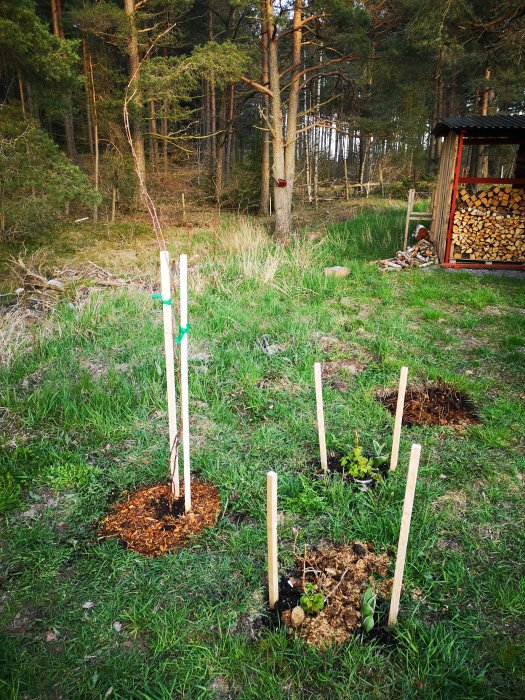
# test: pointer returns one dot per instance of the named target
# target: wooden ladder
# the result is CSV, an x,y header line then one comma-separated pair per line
x,y
415,215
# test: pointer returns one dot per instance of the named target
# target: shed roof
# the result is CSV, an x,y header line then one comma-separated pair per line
x,y
506,127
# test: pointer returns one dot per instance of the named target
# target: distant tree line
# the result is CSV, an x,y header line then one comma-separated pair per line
x,y
263,98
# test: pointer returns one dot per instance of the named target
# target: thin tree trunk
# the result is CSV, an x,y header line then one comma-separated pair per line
x,y
69,129
95,135
219,162
133,68
228,161
164,133
21,92
89,119
483,156
153,140
264,204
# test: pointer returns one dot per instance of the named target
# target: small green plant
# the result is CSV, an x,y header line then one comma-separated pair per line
x,y
358,466
311,602
368,607
68,475
379,457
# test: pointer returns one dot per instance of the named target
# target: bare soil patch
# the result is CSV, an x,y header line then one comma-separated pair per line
x,y
339,373
149,522
342,574
432,404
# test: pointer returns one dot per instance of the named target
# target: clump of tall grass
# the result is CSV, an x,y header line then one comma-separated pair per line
x,y
370,235
251,253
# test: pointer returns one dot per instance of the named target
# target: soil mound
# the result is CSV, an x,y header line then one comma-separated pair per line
x,y
432,404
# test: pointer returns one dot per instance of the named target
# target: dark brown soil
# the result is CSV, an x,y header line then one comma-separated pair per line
x,y
149,523
342,574
432,404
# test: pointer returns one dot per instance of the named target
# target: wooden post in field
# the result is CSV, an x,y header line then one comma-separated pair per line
x,y
411,198
320,415
398,421
346,179
165,281
183,331
183,198
271,533
413,465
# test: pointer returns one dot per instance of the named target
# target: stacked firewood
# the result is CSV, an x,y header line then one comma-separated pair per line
x,y
420,255
490,225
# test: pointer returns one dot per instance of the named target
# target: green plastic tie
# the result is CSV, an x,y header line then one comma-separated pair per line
x,y
182,332
164,301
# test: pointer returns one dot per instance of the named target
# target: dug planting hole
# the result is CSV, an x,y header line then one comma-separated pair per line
x,y
432,403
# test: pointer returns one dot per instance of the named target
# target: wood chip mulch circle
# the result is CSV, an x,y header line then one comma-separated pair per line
x,y
342,574
432,404
145,523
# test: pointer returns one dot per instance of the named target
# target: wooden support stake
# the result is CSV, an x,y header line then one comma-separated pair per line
x,y
320,415
399,417
411,198
271,532
183,299
413,465
183,198
165,281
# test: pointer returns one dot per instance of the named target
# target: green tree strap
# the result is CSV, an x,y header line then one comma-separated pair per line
x,y
182,332
164,301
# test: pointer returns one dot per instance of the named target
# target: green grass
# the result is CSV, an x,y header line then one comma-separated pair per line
x,y
90,422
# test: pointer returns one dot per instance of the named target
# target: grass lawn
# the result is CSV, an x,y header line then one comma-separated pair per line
x,y
83,417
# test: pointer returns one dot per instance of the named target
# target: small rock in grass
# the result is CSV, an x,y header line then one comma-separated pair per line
x,y
337,271
56,285
297,616
88,605
117,626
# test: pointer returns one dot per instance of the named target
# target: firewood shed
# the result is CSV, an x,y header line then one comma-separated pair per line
x,y
478,216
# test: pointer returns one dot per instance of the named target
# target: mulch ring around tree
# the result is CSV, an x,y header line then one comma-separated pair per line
x,y
149,523
432,404
341,574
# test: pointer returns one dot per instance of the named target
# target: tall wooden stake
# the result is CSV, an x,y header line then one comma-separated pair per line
x,y
165,281
413,465
320,415
183,200
394,455
183,299
271,531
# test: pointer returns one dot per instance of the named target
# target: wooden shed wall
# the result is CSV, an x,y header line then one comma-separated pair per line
x,y
442,199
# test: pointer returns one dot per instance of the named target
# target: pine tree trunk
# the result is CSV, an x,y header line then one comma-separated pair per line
x,y
69,129
21,93
153,140
95,135
164,134
219,162
133,69
228,159
89,119
483,156
264,203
